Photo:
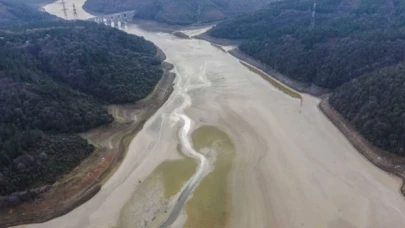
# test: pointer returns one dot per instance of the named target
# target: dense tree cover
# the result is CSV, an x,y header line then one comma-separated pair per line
x,y
55,78
375,104
360,44
17,13
347,39
176,11
35,3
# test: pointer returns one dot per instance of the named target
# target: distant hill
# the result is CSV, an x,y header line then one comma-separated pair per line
x,y
356,46
55,79
176,11
363,36
14,13
35,3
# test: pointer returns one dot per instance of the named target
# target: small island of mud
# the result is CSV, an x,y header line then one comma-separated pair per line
x,y
181,35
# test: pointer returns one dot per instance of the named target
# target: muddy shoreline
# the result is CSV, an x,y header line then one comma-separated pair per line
x,y
386,161
219,41
111,142
296,85
302,87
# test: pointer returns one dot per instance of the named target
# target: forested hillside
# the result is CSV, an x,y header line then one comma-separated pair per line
x,y
375,104
348,38
176,11
55,79
36,3
358,43
17,13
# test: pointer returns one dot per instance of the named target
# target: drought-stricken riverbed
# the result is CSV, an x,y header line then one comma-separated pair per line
x,y
291,168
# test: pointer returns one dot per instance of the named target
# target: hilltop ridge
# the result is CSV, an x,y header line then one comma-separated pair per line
x,y
181,12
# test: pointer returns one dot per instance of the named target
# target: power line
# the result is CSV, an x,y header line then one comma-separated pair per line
x,y
74,11
312,26
63,3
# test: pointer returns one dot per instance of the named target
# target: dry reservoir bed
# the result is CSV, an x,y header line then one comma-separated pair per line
x,y
291,167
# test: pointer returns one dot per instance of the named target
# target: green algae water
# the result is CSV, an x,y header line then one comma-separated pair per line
x,y
273,82
208,207
174,174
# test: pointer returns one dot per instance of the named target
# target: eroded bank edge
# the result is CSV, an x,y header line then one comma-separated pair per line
x,y
384,160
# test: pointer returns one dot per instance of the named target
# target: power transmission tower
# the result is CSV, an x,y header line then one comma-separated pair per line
x,y
312,26
74,11
63,3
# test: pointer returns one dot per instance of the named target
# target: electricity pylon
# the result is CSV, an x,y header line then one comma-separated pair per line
x,y
63,3
312,25
74,11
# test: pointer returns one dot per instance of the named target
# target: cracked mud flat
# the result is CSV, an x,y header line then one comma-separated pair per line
x,y
292,167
